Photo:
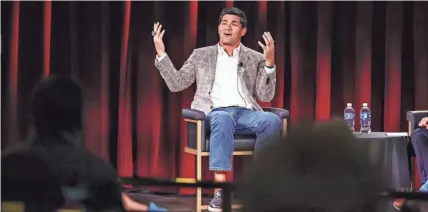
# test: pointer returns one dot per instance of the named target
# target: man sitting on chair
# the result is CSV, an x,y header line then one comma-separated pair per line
x,y
229,78
419,141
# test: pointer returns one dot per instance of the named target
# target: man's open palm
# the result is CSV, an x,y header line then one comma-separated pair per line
x,y
157,39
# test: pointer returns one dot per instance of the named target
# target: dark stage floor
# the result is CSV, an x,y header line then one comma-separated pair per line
x,y
171,202
188,203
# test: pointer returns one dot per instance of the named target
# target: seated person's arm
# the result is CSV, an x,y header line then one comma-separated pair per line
x,y
131,205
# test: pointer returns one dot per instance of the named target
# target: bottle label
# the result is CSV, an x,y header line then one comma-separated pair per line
x,y
349,115
364,115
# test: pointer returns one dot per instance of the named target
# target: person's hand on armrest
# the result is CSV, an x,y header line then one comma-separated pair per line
x,y
424,122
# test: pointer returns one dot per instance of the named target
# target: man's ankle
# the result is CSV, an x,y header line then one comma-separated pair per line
x,y
219,177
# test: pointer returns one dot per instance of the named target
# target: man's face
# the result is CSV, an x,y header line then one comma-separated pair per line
x,y
230,30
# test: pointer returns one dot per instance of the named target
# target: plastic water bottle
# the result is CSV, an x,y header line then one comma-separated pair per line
x,y
349,115
365,119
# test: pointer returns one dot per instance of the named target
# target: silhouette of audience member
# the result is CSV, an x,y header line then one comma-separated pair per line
x,y
317,167
56,110
23,177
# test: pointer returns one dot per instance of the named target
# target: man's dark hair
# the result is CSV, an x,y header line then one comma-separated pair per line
x,y
234,11
56,106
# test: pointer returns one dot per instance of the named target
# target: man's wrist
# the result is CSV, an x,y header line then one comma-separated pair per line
x,y
160,57
269,70
161,54
269,63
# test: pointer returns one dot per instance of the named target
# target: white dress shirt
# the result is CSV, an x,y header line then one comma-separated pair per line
x,y
227,87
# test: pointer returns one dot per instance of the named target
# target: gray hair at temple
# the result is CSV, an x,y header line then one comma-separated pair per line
x,y
317,167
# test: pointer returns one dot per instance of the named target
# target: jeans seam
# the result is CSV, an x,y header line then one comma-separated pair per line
x,y
229,168
212,168
216,168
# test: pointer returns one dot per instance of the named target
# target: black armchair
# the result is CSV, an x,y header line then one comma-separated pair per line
x,y
413,119
198,142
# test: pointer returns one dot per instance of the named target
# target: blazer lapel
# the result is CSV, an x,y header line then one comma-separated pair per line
x,y
212,63
242,59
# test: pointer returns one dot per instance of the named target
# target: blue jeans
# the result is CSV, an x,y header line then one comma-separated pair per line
x,y
424,187
225,122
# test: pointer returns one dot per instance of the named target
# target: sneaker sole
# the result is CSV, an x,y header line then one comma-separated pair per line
x,y
214,209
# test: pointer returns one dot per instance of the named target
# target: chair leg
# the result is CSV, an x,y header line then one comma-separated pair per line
x,y
284,127
198,178
412,162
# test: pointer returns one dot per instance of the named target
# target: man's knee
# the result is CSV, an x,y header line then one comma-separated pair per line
x,y
270,120
221,118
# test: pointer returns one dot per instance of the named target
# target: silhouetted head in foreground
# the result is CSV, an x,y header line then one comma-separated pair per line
x,y
317,167
56,106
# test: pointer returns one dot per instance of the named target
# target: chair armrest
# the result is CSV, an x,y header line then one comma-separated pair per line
x,y
281,113
415,117
193,114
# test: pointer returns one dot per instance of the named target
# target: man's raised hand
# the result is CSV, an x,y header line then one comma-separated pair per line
x,y
157,38
268,49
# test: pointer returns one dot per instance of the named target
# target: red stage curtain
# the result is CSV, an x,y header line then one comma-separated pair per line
x,y
328,54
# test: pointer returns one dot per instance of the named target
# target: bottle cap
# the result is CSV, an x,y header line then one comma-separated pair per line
x,y
365,104
349,104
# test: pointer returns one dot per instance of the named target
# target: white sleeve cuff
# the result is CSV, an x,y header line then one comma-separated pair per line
x,y
161,57
270,70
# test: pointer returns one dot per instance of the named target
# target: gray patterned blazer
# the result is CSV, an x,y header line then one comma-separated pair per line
x,y
201,66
